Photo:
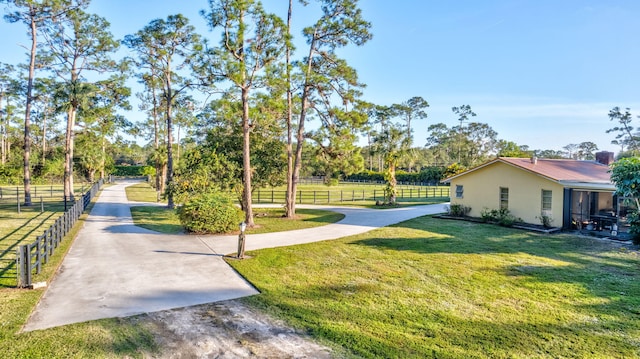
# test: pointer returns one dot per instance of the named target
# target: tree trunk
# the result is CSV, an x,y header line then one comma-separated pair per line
x,y
3,132
156,141
44,138
289,200
163,172
103,159
391,182
169,99
306,92
68,154
246,159
27,111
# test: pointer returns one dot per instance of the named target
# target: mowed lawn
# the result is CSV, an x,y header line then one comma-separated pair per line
x,y
447,289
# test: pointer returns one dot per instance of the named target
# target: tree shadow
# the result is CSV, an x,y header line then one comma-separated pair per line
x,y
26,233
387,331
606,275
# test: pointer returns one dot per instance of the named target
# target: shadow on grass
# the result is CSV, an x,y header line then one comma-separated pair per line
x,y
26,233
606,276
327,217
419,331
119,337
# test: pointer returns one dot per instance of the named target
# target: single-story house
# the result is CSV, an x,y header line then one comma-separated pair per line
x,y
574,194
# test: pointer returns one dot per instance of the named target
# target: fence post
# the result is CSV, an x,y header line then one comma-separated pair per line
x,y
23,265
18,199
19,266
41,205
39,254
328,196
314,197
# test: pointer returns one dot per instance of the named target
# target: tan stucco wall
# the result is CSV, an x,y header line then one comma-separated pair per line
x,y
482,190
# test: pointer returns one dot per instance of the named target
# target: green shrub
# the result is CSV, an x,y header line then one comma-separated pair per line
x,y
634,220
458,210
331,182
500,216
210,213
545,220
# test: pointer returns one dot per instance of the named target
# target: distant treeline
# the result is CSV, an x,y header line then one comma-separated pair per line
x,y
430,175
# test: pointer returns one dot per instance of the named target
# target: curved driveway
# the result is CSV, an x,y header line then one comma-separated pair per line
x,y
116,269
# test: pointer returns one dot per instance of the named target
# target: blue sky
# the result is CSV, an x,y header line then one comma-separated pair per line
x,y
541,73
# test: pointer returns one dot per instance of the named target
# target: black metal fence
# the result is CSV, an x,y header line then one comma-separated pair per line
x,y
31,257
329,196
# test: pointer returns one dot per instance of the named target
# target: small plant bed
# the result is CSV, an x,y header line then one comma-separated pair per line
x,y
519,225
500,217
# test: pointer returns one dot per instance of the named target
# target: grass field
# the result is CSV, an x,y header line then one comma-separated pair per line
x,y
447,289
162,219
353,194
21,225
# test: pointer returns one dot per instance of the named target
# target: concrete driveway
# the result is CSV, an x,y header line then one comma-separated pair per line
x,y
115,269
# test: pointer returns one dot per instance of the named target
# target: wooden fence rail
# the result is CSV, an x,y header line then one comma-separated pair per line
x,y
31,257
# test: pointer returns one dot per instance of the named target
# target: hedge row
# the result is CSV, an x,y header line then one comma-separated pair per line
x,y
133,171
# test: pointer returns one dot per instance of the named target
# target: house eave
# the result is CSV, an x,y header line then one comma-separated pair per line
x,y
603,187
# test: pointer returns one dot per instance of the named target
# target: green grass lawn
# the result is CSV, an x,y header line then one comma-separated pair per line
x,y
271,219
448,289
24,226
164,220
362,195
142,192
353,194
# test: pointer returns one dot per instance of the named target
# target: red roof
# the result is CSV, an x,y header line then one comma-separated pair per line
x,y
563,170
559,170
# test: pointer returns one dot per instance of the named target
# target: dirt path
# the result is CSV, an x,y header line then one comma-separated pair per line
x,y
228,329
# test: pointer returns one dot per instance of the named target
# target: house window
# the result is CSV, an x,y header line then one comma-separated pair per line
x,y
459,191
546,200
504,197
